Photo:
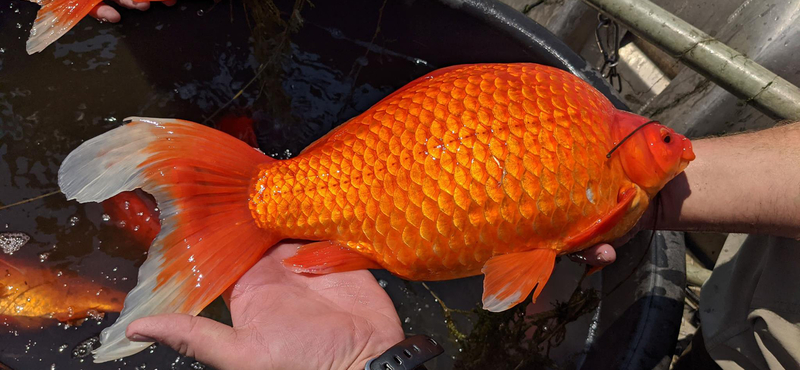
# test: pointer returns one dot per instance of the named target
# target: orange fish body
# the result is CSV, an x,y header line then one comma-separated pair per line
x,y
493,169
449,171
136,213
32,294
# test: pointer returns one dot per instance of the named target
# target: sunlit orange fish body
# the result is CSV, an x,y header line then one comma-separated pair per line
x,y
491,168
30,294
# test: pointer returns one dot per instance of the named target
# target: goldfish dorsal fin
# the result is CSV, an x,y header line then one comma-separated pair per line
x,y
604,223
511,277
202,180
326,257
54,19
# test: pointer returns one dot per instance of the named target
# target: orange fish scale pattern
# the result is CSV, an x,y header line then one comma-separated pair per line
x,y
451,170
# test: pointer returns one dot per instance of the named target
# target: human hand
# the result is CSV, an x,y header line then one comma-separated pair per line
x,y
283,320
604,254
107,13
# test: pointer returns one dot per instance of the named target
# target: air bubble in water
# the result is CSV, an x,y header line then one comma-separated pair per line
x,y
74,220
106,217
84,349
12,242
383,283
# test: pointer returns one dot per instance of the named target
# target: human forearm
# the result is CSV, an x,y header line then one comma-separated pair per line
x,y
748,183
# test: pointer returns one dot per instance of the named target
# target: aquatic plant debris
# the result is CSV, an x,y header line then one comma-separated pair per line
x,y
512,339
12,242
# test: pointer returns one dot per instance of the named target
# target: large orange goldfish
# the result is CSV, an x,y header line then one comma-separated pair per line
x,y
31,294
489,168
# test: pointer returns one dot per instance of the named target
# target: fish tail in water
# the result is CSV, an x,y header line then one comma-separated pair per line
x,y
54,19
202,180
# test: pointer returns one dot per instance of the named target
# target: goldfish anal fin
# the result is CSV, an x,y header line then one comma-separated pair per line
x,y
54,19
510,278
202,180
327,257
605,223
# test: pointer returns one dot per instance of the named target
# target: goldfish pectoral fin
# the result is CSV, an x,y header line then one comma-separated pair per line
x,y
510,278
326,257
201,179
54,19
604,223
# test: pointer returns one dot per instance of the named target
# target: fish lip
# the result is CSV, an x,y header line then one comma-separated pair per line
x,y
688,154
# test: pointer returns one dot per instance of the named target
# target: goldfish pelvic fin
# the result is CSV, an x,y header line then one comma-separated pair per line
x,y
593,270
511,277
604,223
54,19
326,257
201,179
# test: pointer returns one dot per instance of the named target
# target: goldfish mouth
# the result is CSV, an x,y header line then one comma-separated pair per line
x,y
688,153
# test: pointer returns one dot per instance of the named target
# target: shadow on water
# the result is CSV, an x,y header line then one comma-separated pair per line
x,y
188,62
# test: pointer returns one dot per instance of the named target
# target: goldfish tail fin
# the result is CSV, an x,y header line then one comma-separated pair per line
x,y
54,19
202,181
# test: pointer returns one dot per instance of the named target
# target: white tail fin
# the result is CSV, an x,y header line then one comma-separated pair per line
x,y
54,20
202,180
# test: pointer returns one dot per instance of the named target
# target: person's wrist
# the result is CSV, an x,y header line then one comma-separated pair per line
x,y
666,207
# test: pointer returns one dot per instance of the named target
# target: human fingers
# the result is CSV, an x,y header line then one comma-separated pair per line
x,y
598,255
206,340
105,13
131,4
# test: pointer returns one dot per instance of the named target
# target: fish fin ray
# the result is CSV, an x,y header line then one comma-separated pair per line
x,y
326,257
604,223
510,278
202,247
54,19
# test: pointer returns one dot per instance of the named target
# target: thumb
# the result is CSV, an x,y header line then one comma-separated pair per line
x,y
205,340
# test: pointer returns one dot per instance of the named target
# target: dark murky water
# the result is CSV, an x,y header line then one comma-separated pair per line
x,y
187,62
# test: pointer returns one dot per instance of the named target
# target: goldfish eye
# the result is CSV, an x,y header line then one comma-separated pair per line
x,y
667,139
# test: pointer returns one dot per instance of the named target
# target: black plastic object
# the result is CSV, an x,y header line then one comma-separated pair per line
x,y
640,314
409,354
